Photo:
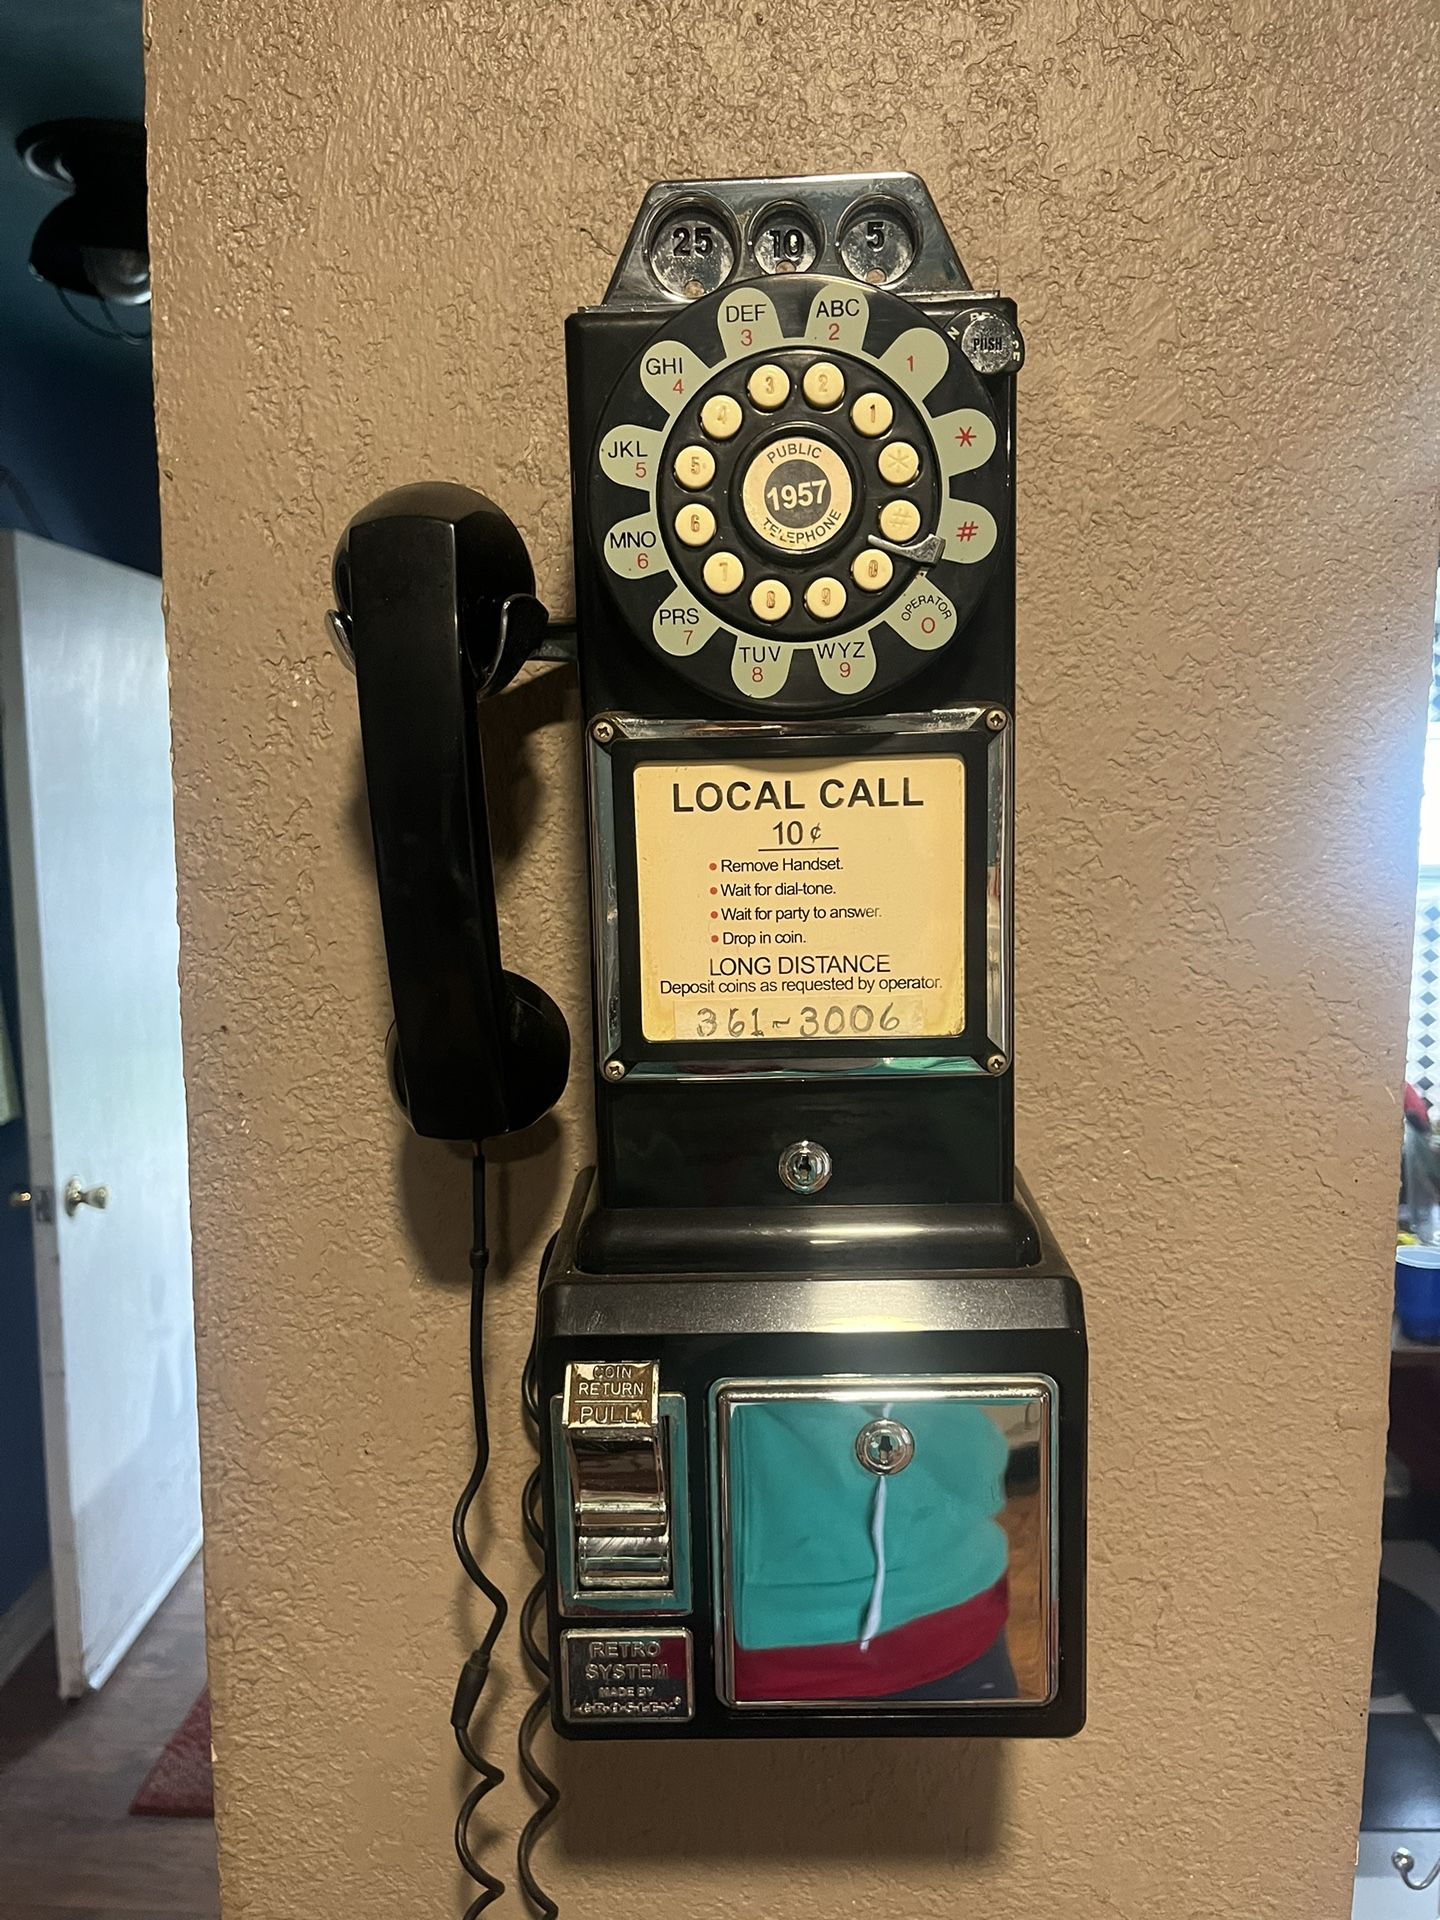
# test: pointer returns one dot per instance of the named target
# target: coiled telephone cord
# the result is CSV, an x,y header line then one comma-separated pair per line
x,y
544,1788
476,1671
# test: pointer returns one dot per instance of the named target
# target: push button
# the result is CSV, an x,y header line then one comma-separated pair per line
x,y
823,385
770,600
695,467
769,387
898,463
872,415
872,571
825,598
721,417
695,525
723,573
899,520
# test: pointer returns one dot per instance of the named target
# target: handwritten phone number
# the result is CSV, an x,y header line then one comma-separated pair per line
x,y
855,1018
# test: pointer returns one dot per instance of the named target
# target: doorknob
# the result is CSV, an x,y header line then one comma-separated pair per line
x,y
21,1197
1403,1862
77,1196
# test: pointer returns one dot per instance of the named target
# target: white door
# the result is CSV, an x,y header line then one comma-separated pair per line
x,y
85,743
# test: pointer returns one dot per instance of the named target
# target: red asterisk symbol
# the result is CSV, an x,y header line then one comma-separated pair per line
x,y
966,436
969,530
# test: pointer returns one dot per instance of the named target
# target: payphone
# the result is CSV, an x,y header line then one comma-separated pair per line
x,y
809,1371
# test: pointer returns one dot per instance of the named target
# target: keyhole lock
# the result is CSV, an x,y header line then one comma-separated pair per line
x,y
805,1166
884,1447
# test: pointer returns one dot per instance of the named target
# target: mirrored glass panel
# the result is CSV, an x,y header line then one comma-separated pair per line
x,y
886,1539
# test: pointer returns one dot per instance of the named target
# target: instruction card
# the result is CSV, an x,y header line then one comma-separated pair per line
x,y
802,900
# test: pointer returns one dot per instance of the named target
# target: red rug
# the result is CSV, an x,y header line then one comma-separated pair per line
x,y
180,1786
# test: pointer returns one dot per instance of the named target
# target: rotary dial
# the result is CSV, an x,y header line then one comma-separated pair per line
x,y
822,492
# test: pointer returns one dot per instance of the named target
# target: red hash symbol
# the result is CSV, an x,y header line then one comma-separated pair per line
x,y
969,530
966,436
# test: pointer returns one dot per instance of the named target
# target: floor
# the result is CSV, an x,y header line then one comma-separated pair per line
x,y
69,1849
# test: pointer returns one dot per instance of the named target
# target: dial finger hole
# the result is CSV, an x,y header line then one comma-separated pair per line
x,y
823,385
723,572
900,520
721,416
770,600
695,525
769,387
694,467
825,598
872,415
872,571
898,462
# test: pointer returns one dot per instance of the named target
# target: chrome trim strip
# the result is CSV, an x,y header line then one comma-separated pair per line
x,y
999,900
821,727
604,900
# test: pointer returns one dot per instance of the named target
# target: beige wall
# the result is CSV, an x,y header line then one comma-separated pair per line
x,y
370,218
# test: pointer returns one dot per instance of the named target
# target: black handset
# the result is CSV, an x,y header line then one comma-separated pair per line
x,y
436,596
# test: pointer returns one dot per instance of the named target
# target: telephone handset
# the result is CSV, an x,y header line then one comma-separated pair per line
x,y
809,1375
435,596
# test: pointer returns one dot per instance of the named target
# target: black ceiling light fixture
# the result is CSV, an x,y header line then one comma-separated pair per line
x,y
94,243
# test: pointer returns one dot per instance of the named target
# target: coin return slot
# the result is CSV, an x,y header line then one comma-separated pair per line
x,y
620,1502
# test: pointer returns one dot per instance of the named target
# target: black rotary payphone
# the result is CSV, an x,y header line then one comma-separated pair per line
x,y
809,1371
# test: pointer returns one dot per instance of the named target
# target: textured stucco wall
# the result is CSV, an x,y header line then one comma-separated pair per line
x,y
369,220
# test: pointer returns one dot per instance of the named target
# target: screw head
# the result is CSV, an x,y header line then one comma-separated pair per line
x,y
613,1070
995,718
997,1063
603,733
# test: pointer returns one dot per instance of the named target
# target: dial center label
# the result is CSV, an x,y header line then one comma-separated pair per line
x,y
797,493
802,899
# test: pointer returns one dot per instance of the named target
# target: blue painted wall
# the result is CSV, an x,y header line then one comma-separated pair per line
x,y
76,422
79,437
